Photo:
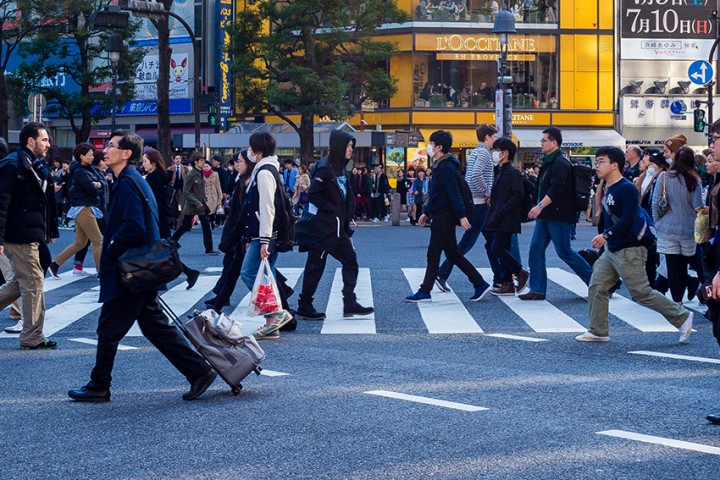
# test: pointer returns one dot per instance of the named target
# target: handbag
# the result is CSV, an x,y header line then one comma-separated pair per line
x,y
149,267
663,204
703,233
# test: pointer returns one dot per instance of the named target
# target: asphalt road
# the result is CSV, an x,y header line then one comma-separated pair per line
x,y
522,409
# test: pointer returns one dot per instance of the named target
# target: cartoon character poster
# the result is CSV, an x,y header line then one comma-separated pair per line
x,y
147,74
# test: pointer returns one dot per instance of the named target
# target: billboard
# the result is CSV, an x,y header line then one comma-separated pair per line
x,y
667,29
147,74
147,35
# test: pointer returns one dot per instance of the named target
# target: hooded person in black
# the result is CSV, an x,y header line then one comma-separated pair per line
x,y
324,229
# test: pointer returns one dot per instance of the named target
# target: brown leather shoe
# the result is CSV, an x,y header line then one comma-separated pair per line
x,y
522,277
506,289
531,296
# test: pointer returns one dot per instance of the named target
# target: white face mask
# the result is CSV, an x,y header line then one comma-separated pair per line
x,y
495,157
651,171
430,150
251,154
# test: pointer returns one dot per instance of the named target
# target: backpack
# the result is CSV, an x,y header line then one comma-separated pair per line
x,y
642,228
284,222
467,197
582,178
528,198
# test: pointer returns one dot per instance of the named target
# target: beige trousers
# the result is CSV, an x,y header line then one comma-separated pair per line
x,y
86,228
28,284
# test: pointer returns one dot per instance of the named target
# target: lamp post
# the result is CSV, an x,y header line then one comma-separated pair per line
x,y
504,26
115,47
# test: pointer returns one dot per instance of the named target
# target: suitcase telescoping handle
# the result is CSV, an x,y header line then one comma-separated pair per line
x,y
171,315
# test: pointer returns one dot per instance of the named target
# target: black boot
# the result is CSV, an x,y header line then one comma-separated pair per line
x,y
351,308
306,311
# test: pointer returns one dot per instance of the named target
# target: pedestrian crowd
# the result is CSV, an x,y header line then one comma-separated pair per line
x,y
656,212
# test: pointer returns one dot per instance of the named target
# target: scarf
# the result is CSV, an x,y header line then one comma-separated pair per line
x,y
207,173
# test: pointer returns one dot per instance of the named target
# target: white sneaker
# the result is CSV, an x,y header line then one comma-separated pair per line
x,y
375,220
589,337
686,328
17,328
81,272
387,218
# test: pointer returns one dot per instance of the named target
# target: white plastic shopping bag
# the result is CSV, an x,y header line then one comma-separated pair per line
x,y
265,298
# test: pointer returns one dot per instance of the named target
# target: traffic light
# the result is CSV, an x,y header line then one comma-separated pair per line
x,y
699,122
212,115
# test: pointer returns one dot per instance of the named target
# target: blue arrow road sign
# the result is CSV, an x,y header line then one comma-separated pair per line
x,y
700,72
678,107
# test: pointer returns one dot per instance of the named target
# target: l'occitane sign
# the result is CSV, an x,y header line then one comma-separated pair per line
x,y
483,43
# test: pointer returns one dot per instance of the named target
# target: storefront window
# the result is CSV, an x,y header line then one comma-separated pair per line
x,y
470,80
484,11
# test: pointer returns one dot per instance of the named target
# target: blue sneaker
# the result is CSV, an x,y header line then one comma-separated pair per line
x,y
480,292
419,297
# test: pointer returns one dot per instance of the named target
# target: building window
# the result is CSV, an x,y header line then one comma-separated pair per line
x,y
484,11
469,80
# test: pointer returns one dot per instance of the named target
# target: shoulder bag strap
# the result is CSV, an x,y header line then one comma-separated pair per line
x,y
145,198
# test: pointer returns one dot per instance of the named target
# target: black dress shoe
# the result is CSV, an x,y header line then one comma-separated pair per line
x,y
192,278
309,313
84,394
714,419
46,345
354,308
199,386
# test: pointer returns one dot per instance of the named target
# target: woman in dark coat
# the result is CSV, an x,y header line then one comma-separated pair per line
x,y
505,219
232,243
158,177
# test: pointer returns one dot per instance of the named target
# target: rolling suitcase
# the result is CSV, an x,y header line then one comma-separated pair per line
x,y
230,353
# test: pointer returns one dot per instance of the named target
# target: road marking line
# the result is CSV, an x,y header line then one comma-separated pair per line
x,y
90,341
66,278
446,313
515,337
336,322
214,269
271,373
634,314
541,315
251,323
668,442
427,401
677,357
182,300
66,313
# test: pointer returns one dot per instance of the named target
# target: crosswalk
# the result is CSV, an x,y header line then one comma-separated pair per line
x,y
448,313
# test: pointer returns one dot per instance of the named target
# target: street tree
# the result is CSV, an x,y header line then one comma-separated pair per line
x,y
163,82
16,24
66,59
315,58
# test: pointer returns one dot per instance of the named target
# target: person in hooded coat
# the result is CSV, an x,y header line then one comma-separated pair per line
x,y
324,228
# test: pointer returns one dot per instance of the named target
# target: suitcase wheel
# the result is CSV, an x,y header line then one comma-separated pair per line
x,y
236,390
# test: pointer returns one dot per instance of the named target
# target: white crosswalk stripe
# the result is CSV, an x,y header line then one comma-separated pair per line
x,y
336,322
541,315
448,313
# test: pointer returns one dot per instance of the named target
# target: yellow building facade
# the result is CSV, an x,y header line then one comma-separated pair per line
x,y
562,61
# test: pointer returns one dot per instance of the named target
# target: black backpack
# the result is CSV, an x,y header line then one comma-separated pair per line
x,y
582,177
284,223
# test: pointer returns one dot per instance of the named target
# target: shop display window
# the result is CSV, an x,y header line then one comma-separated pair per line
x,y
484,11
472,84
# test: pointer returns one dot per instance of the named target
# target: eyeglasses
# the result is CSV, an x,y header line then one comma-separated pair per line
x,y
715,138
601,162
545,140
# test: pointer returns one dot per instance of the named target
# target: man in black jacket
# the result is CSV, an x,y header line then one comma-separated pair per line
x,y
446,208
505,219
324,228
555,214
380,189
27,222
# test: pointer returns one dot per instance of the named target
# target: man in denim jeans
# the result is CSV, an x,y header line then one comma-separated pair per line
x,y
479,176
555,214
624,255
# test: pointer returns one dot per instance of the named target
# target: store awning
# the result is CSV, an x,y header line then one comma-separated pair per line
x,y
462,137
656,136
530,138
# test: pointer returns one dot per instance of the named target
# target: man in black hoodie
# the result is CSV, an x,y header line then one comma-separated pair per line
x,y
324,228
